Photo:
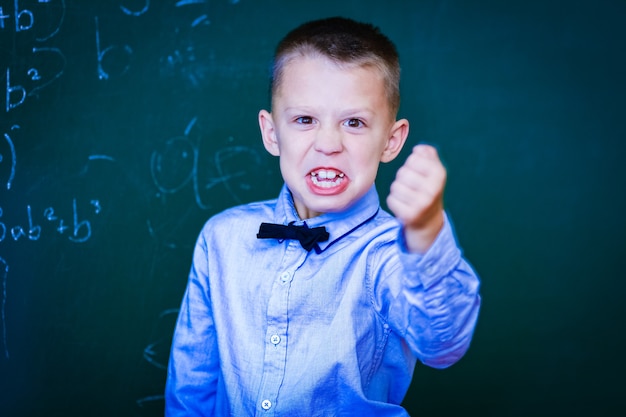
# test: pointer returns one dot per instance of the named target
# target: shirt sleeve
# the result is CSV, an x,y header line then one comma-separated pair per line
x,y
435,302
193,370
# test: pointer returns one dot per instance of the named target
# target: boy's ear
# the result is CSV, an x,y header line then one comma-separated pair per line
x,y
397,137
268,132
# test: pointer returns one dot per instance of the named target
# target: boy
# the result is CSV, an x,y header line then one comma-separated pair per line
x,y
325,311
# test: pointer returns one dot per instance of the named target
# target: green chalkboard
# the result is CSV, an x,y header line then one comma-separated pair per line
x,y
125,124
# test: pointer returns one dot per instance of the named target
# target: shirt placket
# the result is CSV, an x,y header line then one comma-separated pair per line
x,y
276,336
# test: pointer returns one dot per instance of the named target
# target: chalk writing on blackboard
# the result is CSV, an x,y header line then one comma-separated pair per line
x,y
157,352
35,75
186,2
11,92
176,165
100,53
153,350
24,20
138,12
102,157
17,93
12,163
57,27
4,273
200,19
142,401
77,229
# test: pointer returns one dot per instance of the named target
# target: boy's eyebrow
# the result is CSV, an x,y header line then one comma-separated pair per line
x,y
343,113
366,110
298,109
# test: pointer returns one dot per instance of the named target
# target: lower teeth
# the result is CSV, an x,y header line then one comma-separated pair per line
x,y
326,184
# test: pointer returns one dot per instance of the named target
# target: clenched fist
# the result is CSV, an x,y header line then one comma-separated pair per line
x,y
416,197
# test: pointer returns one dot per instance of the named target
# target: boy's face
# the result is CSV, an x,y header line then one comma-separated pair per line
x,y
331,126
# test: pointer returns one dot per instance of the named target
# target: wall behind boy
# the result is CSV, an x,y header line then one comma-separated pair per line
x,y
125,125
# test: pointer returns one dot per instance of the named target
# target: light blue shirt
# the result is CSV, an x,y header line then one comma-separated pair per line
x,y
269,329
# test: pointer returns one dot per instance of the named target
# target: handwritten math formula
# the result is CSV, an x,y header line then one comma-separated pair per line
x,y
75,228
37,22
35,64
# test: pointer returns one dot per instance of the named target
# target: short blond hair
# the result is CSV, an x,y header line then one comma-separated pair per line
x,y
345,42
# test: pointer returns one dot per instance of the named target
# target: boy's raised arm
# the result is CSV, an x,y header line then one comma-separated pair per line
x,y
438,306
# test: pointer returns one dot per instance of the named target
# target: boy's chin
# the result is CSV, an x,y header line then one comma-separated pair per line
x,y
325,205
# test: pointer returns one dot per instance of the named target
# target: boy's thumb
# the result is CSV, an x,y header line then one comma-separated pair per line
x,y
426,151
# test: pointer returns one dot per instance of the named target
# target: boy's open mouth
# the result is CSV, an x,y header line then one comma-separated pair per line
x,y
327,178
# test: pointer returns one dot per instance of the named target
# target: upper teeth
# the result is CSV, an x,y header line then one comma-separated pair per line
x,y
327,174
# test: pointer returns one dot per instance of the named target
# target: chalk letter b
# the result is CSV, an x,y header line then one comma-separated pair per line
x,y
102,73
18,15
11,90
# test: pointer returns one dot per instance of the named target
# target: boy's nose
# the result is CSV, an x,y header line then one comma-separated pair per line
x,y
328,141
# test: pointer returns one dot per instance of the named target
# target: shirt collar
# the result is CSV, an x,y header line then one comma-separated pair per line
x,y
337,224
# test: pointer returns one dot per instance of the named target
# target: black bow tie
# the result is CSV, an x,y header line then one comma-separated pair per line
x,y
308,237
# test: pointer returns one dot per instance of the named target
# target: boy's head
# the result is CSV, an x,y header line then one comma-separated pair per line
x,y
344,42
334,104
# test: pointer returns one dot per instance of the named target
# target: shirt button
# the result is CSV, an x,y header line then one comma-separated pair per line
x,y
285,276
266,404
275,339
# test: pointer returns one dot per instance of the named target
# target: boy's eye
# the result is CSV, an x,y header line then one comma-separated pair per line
x,y
305,120
354,123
